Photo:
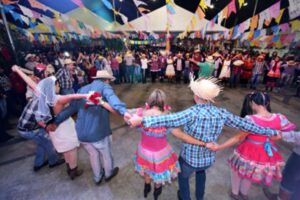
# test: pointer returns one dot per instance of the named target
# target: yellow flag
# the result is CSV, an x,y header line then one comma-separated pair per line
x,y
279,16
203,5
193,22
241,3
295,25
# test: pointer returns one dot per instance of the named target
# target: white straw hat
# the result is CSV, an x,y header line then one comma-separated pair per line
x,y
205,88
104,74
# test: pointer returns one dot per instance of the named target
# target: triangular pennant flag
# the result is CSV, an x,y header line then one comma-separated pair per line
x,y
231,7
275,28
295,25
274,11
203,5
275,38
284,27
254,21
277,20
225,12
200,13
256,34
241,3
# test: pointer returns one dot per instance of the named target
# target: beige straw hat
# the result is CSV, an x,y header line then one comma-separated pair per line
x,y
104,74
205,88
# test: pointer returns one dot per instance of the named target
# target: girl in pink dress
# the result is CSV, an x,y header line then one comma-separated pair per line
x,y
256,159
155,159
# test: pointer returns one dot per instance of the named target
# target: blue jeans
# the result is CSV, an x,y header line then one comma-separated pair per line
x,y
116,73
255,80
66,91
184,177
44,146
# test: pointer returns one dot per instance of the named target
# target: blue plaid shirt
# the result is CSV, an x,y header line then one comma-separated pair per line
x,y
204,122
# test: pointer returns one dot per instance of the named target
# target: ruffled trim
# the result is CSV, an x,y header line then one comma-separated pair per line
x,y
158,178
255,171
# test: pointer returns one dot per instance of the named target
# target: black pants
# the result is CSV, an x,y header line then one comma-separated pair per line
x,y
153,76
178,76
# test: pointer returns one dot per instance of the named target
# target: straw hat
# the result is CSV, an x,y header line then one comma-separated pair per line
x,y
197,51
216,54
29,56
104,74
291,62
238,62
68,61
209,59
206,89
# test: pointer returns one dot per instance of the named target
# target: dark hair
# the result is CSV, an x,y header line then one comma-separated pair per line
x,y
259,98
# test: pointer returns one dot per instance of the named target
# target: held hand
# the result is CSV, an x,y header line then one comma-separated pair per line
x,y
127,117
51,128
135,120
213,146
15,68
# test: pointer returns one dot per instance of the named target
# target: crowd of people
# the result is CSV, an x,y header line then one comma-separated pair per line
x,y
54,88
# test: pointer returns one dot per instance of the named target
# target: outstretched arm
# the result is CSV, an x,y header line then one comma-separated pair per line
x,y
26,78
177,132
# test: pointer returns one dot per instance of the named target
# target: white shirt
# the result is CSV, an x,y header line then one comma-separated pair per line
x,y
144,63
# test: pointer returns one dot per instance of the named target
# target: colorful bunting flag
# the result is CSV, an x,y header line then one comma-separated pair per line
x,y
200,13
274,10
36,4
225,12
254,21
203,5
284,27
256,34
277,20
241,3
231,7
295,25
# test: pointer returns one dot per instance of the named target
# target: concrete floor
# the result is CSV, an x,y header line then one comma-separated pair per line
x,y
18,181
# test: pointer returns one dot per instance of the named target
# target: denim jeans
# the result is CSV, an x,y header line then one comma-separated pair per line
x,y
44,146
66,91
184,177
255,80
144,77
116,73
100,157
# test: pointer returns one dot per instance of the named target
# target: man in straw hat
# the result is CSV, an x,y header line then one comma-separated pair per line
x,y
257,71
30,62
205,122
93,127
65,78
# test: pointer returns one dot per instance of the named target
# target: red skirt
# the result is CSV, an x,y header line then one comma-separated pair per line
x,y
251,161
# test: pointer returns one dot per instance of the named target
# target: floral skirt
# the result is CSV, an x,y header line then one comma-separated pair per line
x,y
160,165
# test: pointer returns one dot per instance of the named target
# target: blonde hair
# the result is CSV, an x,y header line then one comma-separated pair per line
x,y
157,98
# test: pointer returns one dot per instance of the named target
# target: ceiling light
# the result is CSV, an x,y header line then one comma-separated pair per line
x,y
121,0
211,6
245,4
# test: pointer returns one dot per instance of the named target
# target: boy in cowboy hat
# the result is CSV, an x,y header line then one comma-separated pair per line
x,y
93,127
205,122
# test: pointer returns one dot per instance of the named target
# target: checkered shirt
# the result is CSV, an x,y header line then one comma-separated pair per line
x,y
64,78
28,120
203,122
